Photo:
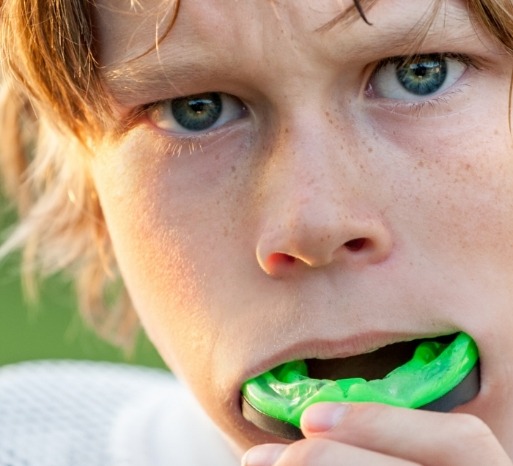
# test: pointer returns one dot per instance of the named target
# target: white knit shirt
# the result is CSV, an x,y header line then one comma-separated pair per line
x,y
99,414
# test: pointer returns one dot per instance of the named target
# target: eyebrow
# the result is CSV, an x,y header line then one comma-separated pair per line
x,y
145,79
414,37
356,11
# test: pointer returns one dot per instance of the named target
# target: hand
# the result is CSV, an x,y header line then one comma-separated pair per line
x,y
380,435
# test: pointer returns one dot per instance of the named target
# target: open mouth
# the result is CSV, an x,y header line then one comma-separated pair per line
x,y
436,374
369,366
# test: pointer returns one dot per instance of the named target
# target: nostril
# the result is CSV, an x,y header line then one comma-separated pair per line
x,y
355,245
279,258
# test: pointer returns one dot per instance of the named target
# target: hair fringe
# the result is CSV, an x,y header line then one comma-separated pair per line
x,y
497,18
61,226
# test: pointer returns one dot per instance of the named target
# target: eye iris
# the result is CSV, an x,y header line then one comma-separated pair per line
x,y
199,112
422,77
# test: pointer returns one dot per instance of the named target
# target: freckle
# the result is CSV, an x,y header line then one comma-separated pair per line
x,y
233,168
371,150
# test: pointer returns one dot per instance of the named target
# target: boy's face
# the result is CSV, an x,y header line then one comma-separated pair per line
x,y
315,201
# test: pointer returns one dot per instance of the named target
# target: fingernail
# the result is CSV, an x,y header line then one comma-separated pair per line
x,y
262,455
321,417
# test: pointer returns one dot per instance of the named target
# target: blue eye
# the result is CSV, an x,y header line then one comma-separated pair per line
x,y
197,113
416,78
423,77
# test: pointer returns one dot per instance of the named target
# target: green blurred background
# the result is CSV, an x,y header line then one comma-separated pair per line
x,y
51,328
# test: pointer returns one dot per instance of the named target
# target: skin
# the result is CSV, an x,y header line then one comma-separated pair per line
x,y
324,221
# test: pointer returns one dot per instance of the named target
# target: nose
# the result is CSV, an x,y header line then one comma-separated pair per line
x,y
321,208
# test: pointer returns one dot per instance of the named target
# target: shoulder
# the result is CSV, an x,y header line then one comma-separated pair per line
x,y
71,413
63,413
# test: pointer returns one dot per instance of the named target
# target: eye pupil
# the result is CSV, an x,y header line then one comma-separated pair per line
x,y
197,112
424,76
199,106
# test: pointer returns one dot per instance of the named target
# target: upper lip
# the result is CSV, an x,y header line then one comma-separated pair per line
x,y
331,349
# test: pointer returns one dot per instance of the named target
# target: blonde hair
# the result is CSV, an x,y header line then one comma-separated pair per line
x,y
48,117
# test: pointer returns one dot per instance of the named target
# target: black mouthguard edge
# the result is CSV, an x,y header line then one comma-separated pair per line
x,y
465,391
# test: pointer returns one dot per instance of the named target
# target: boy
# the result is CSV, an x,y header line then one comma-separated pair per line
x,y
280,181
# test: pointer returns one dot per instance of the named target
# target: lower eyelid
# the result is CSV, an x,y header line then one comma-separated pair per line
x,y
439,106
232,108
456,66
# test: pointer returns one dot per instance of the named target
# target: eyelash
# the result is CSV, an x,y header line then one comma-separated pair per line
x,y
404,59
415,107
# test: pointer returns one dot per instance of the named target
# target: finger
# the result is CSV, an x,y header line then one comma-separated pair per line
x,y
318,452
428,438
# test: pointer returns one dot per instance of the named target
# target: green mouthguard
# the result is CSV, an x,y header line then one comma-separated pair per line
x,y
434,370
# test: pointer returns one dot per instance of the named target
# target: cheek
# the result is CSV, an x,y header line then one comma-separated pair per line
x,y
466,196
159,271
454,183
173,226
451,210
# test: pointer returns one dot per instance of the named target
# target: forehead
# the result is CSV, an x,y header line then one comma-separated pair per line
x,y
130,28
136,24
253,44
